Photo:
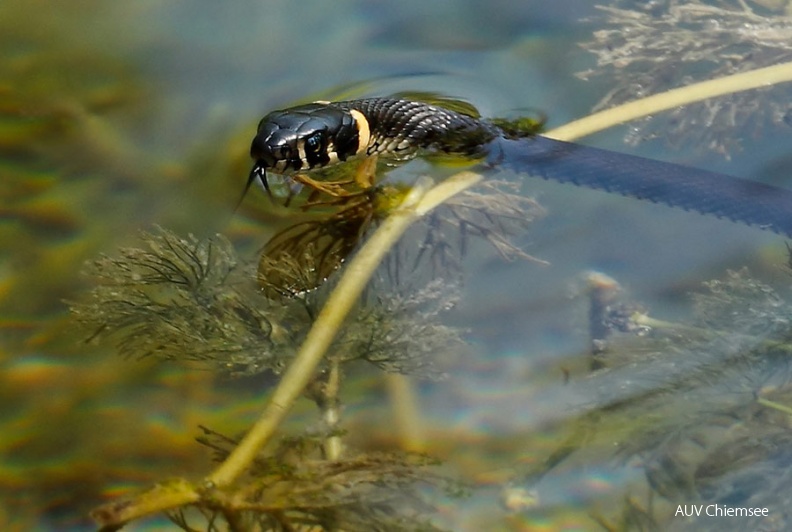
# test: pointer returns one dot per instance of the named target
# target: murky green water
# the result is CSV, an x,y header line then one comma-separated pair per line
x,y
119,117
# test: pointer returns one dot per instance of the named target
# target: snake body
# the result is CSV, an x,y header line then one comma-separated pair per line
x,y
320,134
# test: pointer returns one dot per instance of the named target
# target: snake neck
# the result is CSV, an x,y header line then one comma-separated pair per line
x,y
401,127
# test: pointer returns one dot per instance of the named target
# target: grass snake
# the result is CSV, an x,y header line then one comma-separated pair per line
x,y
320,134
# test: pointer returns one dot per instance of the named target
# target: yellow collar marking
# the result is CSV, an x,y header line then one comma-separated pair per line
x,y
364,134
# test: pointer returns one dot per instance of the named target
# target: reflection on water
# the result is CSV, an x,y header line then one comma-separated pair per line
x,y
115,118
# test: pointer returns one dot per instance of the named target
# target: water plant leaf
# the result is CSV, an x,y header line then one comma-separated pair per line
x,y
182,299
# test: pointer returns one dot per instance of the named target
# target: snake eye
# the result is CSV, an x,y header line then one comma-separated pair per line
x,y
314,143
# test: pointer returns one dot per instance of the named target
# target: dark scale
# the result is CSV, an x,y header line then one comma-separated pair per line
x,y
424,126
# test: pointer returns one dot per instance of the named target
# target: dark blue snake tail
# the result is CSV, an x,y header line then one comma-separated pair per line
x,y
739,200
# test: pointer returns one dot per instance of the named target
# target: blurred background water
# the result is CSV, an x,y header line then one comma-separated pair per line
x,y
116,117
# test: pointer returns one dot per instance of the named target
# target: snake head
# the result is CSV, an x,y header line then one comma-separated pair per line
x,y
304,137
275,147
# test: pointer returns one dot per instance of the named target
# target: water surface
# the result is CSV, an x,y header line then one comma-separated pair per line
x,y
117,118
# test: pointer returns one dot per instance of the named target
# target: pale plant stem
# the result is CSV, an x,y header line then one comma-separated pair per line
x,y
355,277
754,79
409,427
773,404
333,446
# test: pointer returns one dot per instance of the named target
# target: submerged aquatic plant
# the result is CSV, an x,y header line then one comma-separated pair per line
x,y
193,300
701,408
649,48
296,487
184,299
303,256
